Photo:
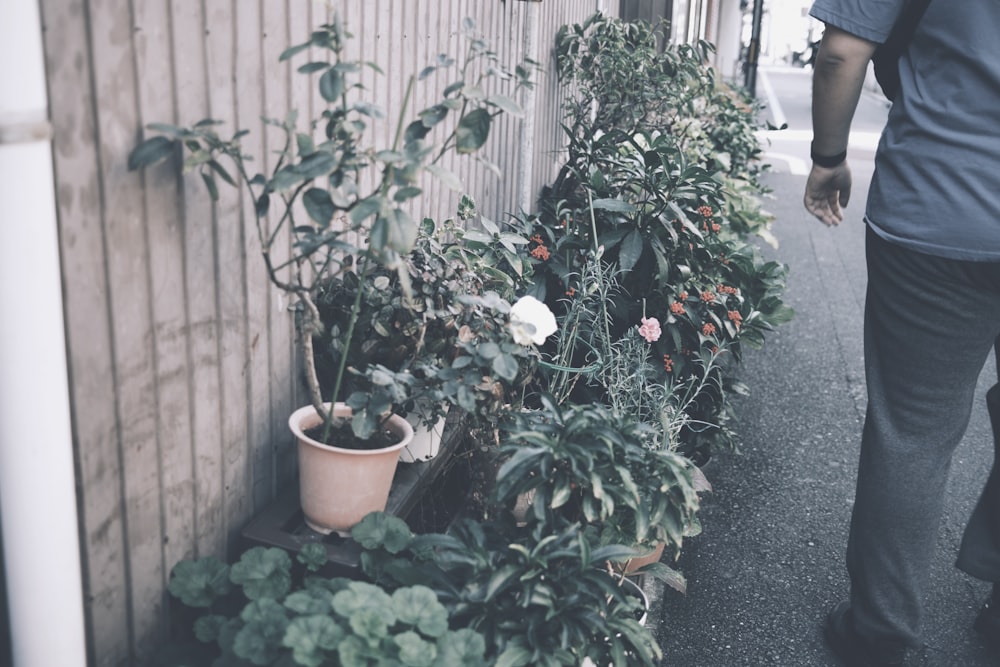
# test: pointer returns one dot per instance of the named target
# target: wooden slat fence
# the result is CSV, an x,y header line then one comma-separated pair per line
x,y
182,366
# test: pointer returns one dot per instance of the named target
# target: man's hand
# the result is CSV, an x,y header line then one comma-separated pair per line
x,y
838,76
827,191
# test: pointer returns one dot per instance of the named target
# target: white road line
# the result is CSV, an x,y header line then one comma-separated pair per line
x,y
859,140
796,166
772,99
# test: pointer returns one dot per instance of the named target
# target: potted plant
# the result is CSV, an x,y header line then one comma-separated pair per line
x,y
589,464
660,181
258,611
344,202
538,597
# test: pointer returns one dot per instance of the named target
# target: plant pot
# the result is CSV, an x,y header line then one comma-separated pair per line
x,y
642,561
337,486
635,590
426,442
521,506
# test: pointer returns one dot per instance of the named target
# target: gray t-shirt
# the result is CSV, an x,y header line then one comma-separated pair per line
x,y
936,187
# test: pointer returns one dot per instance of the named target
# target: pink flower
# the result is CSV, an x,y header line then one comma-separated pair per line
x,y
650,329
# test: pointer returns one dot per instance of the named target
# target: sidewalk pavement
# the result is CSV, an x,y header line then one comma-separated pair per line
x,y
770,561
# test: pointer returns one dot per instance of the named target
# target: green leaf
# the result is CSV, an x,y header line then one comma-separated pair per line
x,y
667,575
311,637
630,251
172,130
418,606
291,51
402,231
309,68
313,556
433,115
498,580
472,131
149,152
403,194
462,648
318,164
198,583
450,180
514,656
213,189
505,103
414,651
262,205
305,144
220,170
380,530
259,640
613,205
319,205
307,602
208,628
332,85
506,367
263,573
366,208
477,236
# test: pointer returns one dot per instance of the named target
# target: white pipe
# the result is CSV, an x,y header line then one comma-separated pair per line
x,y
37,484
526,165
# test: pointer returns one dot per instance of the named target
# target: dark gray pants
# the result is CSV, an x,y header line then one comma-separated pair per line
x,y
929,326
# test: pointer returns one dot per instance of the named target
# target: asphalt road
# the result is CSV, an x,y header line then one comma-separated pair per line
x,y
770,562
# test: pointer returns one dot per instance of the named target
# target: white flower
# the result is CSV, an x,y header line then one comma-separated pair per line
x,y
531,321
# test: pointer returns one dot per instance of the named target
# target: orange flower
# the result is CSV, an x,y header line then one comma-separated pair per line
x,y
668,363
735,317
706,211
677,308
708,329
540,252
571,292
682,296
726,289
707,297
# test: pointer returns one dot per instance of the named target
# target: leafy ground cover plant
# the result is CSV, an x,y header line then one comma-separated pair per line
x,y
255,613
539,598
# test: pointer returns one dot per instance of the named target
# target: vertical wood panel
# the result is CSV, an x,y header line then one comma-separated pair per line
x,y
132,337
152,44
191,89
250,93
81,236
230,281
281,354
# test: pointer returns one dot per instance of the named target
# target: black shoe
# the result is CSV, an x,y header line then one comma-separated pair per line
x,y
854,650
988,623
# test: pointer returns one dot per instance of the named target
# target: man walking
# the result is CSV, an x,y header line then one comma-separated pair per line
x,y
932,310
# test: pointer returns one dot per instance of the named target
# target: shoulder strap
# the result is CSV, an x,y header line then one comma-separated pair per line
x,y
886,58
906,24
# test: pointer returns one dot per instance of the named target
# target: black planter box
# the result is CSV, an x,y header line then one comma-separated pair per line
x,y
281,524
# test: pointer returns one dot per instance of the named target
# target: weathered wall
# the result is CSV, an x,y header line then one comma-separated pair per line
x,y
181,358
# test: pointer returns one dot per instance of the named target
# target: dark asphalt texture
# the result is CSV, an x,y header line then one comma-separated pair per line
x,y
770,561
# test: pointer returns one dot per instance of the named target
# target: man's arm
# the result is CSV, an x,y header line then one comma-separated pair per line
x,y
838,76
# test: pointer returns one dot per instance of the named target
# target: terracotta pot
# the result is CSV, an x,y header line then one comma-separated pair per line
x,y
426,442
337,486
642,561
